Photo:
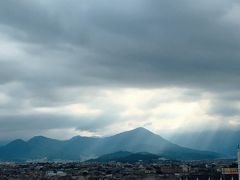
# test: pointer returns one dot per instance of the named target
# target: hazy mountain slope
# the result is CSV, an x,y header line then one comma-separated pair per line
x,y
44,147
15,150
81,148
139,139
142,140
223,142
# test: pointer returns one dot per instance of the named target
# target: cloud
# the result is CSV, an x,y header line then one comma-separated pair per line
x,y
56,54
225,107
134,44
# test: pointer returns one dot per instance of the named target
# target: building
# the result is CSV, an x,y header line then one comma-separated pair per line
x,y
229,170
238,159
171,169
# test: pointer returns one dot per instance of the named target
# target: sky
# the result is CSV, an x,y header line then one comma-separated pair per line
x,y
96,68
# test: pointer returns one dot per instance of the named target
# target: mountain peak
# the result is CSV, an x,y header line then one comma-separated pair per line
x,y
17,141
38,138
136,133
141,130
76,138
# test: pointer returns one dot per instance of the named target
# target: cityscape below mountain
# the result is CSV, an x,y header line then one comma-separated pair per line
x,y
135,154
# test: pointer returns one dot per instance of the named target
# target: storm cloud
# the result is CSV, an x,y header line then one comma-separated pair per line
x,y
56,54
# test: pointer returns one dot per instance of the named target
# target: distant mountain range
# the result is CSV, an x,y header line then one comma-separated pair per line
x,y
221,141
83,148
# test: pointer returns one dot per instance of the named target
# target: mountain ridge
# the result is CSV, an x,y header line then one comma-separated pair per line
x,y
82,148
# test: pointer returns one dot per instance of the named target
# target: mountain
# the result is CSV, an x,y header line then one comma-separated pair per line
x,y
15,150
127,157
2,143
223,142
83,148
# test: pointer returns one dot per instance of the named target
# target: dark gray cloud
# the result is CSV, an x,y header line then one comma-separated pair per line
x,y
48,121
49,47
140,43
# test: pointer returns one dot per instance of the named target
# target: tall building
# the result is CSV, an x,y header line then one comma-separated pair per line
x,y
238,158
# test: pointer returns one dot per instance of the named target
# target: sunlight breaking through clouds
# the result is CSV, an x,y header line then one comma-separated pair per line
x,y
93,68
161,110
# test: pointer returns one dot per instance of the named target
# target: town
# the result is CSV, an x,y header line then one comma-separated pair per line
x,y
167,169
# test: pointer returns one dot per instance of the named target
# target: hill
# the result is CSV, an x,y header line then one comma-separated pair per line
x,y
127,157
83,148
